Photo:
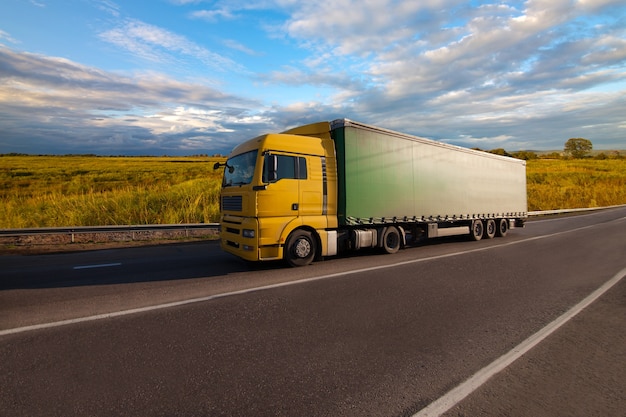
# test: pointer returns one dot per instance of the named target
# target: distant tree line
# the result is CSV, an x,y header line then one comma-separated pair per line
x,y
575,148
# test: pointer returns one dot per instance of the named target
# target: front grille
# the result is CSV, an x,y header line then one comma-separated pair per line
x,y
232,203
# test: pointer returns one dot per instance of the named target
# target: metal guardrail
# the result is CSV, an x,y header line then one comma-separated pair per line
x,y
565,211
107,229
54,236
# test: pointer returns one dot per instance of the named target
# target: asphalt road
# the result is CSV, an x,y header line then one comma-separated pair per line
x,y
202,333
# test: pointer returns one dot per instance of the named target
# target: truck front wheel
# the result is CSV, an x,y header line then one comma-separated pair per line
x,y
300,248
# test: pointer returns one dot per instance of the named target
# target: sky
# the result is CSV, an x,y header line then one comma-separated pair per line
x,y
186,77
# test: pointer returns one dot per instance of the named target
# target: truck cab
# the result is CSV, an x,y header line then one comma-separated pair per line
x,y
279,189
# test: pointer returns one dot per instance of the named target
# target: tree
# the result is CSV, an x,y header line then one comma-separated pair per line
x,y
525,155
500,151
578,147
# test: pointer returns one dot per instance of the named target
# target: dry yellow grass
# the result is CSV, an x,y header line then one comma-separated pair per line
x,y
55,191
575,183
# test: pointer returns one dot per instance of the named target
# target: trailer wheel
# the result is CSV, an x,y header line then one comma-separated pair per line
x,y
503,227
490,228
391,240
300,248
476,232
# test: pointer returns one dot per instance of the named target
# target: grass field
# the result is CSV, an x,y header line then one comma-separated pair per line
x,y
575,183
55,191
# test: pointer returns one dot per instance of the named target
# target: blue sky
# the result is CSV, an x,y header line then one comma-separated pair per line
x,y
182,77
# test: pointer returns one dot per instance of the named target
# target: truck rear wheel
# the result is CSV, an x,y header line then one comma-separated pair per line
x,y
391,240
503,227
490,228
300,248
477,229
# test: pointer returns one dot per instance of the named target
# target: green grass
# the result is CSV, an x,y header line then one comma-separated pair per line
x,y
56,191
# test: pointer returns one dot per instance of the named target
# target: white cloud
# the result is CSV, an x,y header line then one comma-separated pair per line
x,y
212,15
594,5
108,7
232,44
4,35
45,98
359,28
514,75
159,45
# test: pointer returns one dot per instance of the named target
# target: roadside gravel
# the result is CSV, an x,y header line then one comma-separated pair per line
x,y
64,242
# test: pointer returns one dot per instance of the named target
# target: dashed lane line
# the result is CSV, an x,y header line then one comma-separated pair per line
x,y
97,266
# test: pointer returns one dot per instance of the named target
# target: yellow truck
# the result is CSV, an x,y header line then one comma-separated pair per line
x,y
316,190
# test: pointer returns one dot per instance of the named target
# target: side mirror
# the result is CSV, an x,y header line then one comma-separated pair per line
x,y
218,165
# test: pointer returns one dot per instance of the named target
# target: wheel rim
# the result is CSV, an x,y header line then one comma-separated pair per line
x,y
503,227
302,248
391,240
477,229
490,228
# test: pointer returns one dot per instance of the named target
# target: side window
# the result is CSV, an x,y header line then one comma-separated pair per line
x,y
302,174
285,167
278,167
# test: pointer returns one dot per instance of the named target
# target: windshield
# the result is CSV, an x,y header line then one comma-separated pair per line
x,y
239,169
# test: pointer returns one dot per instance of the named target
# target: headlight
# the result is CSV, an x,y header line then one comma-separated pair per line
x,y
248,233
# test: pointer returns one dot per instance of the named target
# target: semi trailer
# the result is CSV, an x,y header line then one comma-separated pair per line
x,y
323,188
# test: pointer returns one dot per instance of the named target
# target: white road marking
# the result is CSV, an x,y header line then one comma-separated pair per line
x,y
271,286
456,395
97,266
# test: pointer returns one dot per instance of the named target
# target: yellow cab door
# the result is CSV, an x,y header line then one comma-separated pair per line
x,y
312,196
279,202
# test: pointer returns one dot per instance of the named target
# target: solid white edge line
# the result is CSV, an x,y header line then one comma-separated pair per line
x,y
456,395
271,286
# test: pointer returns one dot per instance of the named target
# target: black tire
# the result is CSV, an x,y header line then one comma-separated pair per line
x,y
391,240
476,230
503,227
300,248
490,229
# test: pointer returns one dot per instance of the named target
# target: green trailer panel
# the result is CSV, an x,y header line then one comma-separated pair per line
x,y
385,175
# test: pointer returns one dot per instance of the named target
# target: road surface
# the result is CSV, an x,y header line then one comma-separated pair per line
x,y
187,330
